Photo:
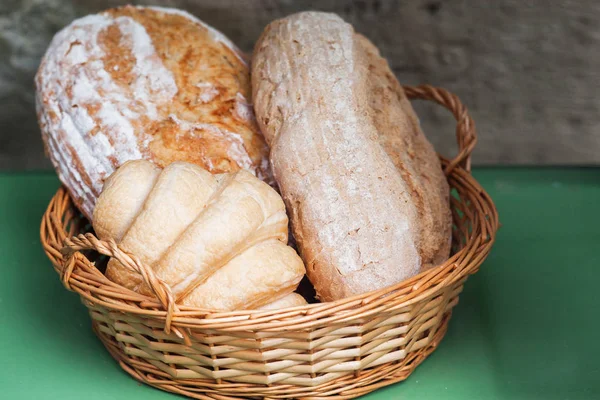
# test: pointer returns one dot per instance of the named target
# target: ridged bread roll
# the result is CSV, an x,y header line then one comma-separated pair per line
x,y
176,198
144,82
368,200
259,270
291,300
219,241
114,222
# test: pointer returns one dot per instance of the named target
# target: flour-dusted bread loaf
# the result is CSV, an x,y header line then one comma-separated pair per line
x,y
151,83
219,241
368,200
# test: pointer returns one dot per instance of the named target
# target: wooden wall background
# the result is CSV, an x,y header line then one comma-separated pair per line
x,y
528,70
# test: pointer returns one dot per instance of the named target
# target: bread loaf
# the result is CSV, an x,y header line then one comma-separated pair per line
x,y
153,83
219,241
368,201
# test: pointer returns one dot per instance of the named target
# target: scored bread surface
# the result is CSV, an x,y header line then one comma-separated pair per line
x,y
144,82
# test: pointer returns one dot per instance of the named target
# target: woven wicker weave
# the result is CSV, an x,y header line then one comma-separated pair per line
x,y
341,349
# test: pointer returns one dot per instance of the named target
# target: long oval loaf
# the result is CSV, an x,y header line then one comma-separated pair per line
x,y
367,196
144,82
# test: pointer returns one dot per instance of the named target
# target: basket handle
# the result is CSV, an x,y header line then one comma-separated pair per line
x,y
466,135
88,241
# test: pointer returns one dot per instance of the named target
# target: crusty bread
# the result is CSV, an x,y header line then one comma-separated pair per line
x,y
219,241
365,190
153,83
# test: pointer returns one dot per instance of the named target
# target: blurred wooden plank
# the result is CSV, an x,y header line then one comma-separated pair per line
x,y
528,71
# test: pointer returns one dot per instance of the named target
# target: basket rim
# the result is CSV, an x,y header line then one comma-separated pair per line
x,y
80,275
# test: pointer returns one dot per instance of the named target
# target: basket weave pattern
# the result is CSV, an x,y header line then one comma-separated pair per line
x,y
340,349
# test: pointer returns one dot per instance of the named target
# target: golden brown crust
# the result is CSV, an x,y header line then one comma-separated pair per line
x,y
194,57
414,157
179,91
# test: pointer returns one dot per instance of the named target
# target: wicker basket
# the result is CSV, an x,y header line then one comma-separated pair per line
x,y
341,349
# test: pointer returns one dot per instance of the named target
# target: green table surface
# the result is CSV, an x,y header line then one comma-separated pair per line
x,y
526,327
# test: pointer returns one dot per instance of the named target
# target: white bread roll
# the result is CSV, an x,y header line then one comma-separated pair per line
x,y
245,212
288,301
137,179
218,241
177,197
266,271
368,201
